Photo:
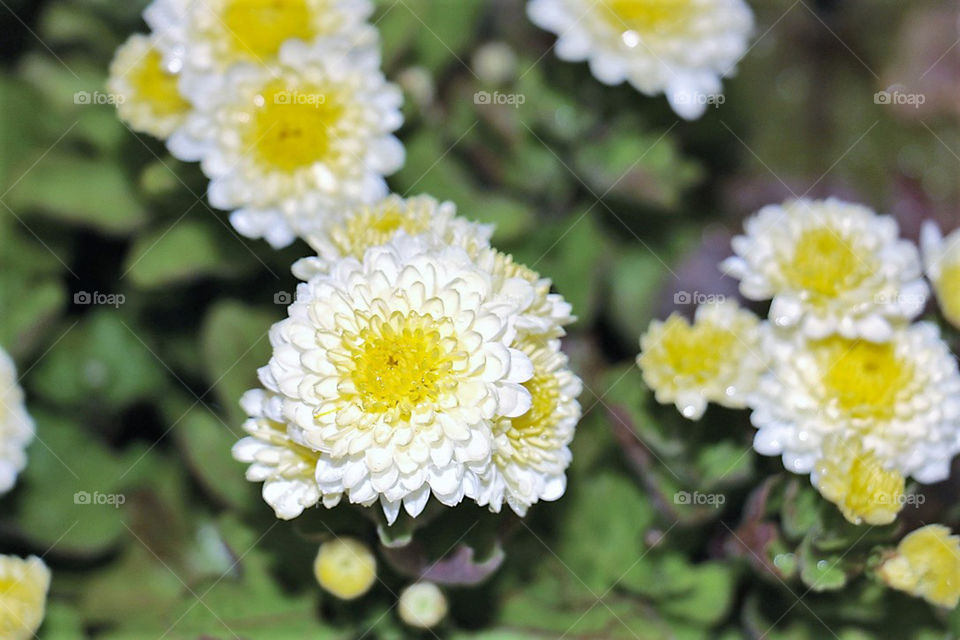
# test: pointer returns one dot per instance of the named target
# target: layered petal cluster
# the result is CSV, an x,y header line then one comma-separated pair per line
x,y
391,379
719,358
23,596
146,94
900,399
926,564
941,257
829,267
351,233
16,425
287,145
210,36
682,48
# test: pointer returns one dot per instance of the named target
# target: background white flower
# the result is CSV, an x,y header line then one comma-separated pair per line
x,y
288,145
830,267
147,96
900,399
209,36
941,257
16,425
718,358
351,233
396,369
679,47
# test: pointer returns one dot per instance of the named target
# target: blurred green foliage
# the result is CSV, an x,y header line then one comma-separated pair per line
x,y
599,188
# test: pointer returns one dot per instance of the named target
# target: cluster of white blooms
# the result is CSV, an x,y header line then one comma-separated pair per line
x,y
841,382
416,361
282,102
682,48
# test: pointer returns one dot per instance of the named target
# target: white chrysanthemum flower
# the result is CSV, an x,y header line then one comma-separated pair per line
x,y
900,399
23,596
830,267
719,358
395,368
16,425
350,234
544,314
531,452
941,258
288,145
146,95
286,467
679,47
210,36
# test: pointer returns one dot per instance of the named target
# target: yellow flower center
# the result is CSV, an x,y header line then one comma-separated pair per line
x,y
373,227
256,28
21,606
294,128
697,353
404,363
825,263
645,16
857,483
153,85
533,429
862,379
948,292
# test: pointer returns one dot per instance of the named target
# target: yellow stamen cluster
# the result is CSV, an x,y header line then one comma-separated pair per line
x,y
825,263
926,564
255,29
645,16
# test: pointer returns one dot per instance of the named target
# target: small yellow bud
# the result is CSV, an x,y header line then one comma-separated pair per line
x,y
345,567
857,483
422,605
926,564
23,596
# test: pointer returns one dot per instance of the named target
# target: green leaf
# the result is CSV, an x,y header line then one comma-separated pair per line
x,y
234,343
101,362
76,190
186,251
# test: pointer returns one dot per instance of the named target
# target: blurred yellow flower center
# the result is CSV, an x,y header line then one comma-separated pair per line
x,y
825,263
696,353
153,85
644,16
857,483
294,128
948,292
257,28
862,379
927,564
404,363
